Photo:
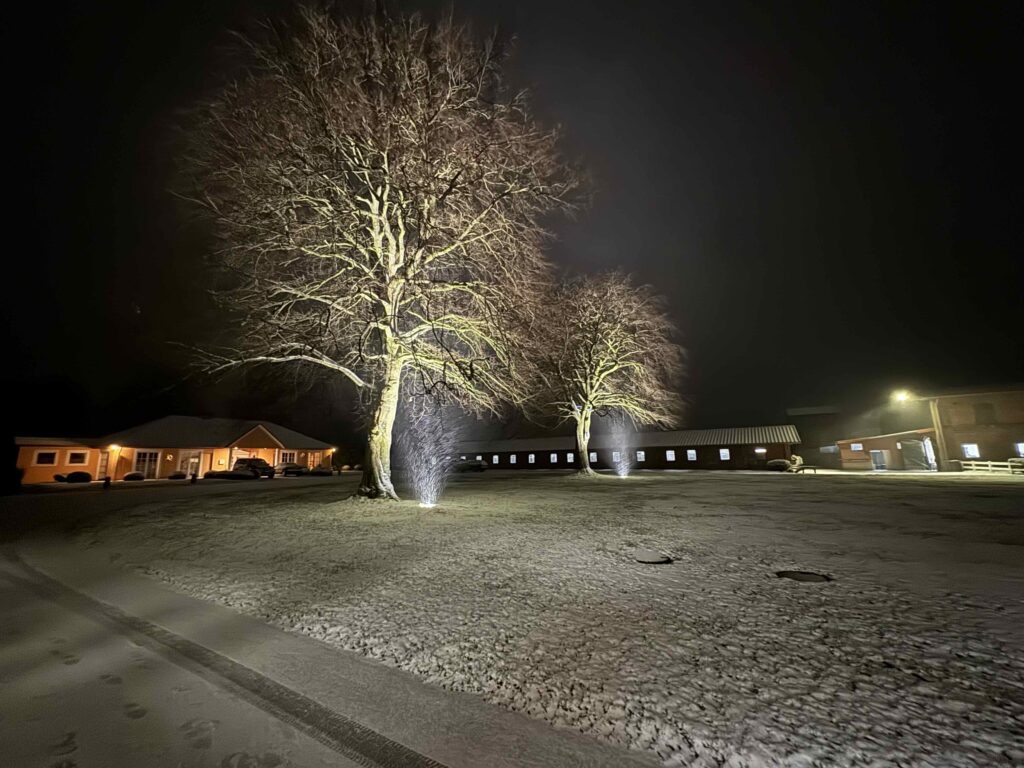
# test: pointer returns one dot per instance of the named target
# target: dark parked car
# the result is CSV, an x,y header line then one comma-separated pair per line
x,y
470,465
258,467
291,470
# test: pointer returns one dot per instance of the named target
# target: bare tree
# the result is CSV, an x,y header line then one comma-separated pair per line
x,y
606,348
379,196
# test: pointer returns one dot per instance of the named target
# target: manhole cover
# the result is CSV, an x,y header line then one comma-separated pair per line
x,y
803,576
651,556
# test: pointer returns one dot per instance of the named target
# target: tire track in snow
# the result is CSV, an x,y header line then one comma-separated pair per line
x,y
341,734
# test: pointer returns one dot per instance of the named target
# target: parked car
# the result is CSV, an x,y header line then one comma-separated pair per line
x,y
259,467
470,465
291,470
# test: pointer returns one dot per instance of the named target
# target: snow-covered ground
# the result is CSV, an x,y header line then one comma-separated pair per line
x,y
522,588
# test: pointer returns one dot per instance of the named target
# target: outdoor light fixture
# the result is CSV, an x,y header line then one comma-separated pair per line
x,y
900,396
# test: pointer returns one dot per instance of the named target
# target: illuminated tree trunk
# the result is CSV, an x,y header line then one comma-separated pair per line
x,y
583,440
376,482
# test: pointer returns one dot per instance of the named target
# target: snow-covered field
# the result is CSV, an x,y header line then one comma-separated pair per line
x,y
522,588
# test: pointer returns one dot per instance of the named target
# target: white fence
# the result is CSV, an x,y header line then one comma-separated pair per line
x,y
1007,467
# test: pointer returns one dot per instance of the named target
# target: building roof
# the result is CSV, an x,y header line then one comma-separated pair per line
x,y
194,432
188,432
922,431
680,438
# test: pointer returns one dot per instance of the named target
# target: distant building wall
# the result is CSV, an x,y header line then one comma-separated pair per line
x,y
994,422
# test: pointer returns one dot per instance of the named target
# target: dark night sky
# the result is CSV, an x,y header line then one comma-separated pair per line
x,y
829,197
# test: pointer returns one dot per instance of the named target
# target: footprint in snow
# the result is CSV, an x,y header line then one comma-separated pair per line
x,y
199,732
245,760
65,746
111,679
66,658
134,711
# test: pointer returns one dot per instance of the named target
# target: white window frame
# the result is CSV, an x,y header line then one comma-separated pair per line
x,y
616,457
724,454
641,456
691,454
670,454
532,459
479,457
970,454
512,459
1020,448
286,454
462,458
554,458
570,458
494,459
856,446
37,463
83,463
760,451
593,457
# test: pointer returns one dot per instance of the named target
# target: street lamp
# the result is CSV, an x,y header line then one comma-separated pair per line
x,y
901,396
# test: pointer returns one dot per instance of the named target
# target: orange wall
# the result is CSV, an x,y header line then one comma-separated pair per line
x,y
44,474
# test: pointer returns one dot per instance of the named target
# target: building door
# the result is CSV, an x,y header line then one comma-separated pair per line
x,y
146,462
191,462
879,459
914,456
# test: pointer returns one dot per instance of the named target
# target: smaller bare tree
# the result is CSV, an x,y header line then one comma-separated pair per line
x,y
606,348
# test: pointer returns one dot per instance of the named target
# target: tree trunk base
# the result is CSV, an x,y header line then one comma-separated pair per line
x,y
586,472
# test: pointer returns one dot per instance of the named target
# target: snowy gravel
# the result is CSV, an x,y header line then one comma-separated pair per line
x,y
523,589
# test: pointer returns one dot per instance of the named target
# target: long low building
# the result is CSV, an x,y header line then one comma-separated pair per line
x,y
733,448
173,444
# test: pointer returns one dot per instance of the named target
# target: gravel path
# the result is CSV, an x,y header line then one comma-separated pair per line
x,y
524,590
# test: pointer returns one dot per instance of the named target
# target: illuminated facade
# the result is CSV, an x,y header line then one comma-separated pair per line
x,y
173,445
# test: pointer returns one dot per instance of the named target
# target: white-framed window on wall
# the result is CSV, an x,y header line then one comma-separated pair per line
x,y
691,454
494,459
641,456
670,455
531,459
512,459
970,450
554,458
569,458
724,454
45,459
78,458
593,457
287,457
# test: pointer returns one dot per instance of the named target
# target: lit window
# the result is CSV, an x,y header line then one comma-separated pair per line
x,y
78,458
462,457
494,459
554,458
479,457
761,451
970,450
569,458
616,456
512,459
723,454
1020,449
531,458
593,457
670,455
641,456
856,446
691,455
288,457
899,446
46,458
